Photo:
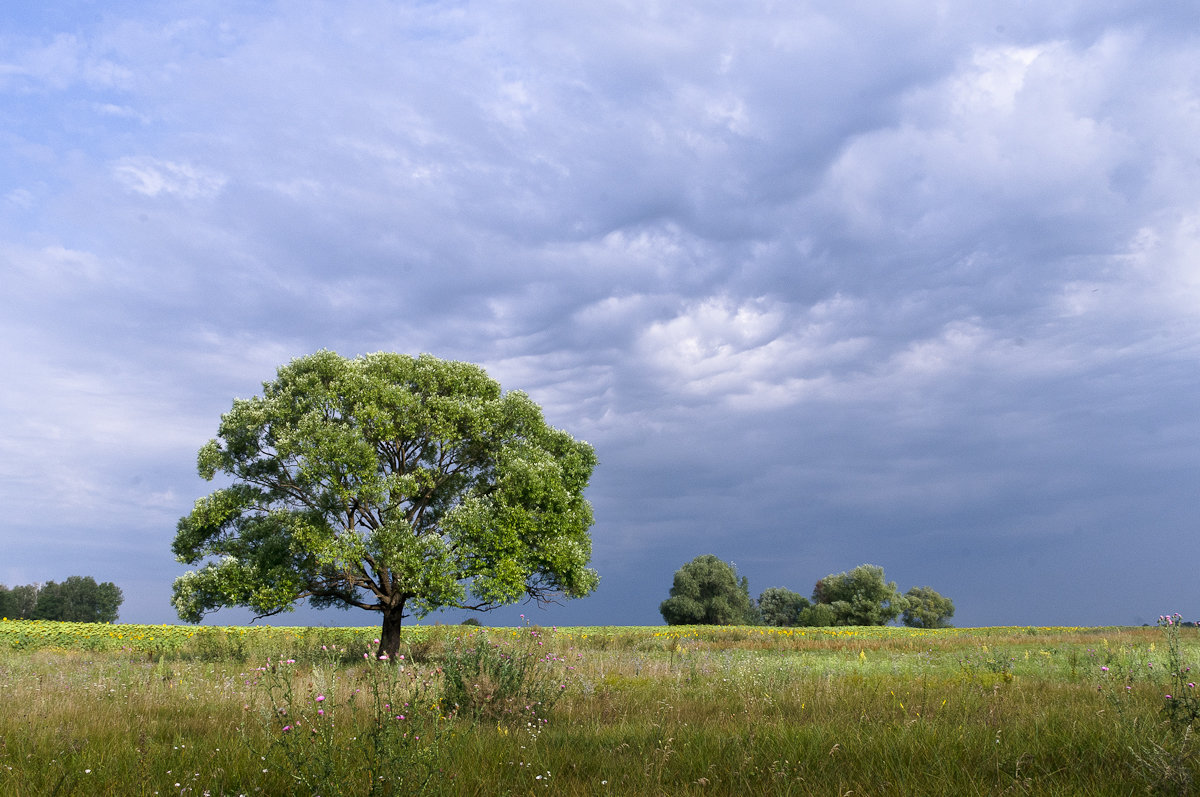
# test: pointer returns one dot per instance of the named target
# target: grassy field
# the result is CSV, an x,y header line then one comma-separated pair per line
x,y
144,710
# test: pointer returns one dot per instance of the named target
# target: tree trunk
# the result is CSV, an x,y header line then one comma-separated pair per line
x,y
389,635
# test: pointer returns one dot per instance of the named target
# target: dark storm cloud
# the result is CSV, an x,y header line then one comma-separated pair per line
x,y
911,284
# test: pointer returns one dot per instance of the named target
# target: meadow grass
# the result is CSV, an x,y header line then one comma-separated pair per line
x,y
630,711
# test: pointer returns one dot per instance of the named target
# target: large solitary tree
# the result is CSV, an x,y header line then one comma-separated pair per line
x,y
388,483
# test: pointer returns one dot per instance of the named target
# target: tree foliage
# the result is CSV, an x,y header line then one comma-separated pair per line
x,y
79,599
387,483
925,608
860,596
781,607
707,591
818,615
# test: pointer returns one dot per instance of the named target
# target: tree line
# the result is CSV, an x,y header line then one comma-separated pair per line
x,y
79,599
708,591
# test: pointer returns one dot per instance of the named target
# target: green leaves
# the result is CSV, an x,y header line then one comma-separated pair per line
x,y
925,608
860,596
707,591
387,482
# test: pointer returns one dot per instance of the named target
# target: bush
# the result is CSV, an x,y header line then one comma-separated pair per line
x,y
486,680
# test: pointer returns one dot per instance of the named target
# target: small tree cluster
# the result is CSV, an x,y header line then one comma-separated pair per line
x,y
861,596
708,591
79,599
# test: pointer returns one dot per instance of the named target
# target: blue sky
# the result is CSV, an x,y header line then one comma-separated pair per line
x,y
908,284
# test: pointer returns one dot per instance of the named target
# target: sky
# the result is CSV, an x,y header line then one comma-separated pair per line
x,y
914,284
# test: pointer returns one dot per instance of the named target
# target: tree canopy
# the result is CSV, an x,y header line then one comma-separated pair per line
x,y
781,607
79,599
925,608
388,483
860,596
707,591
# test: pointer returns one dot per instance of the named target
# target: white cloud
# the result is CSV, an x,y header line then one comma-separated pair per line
x,y
752,354
152,177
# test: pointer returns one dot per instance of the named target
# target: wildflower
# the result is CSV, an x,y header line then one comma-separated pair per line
x,y
1103,669
287,728
321,698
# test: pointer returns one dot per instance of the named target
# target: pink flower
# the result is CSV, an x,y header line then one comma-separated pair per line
x,y
321,698
287,728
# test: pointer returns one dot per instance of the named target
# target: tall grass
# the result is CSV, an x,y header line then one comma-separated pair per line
x,y
640,711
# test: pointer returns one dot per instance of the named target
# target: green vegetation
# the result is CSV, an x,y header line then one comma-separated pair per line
x,y
860,597
925,608
79,599
707,591
388,483
92,709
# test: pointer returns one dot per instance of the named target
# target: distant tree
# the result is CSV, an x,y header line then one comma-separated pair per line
x,y
860,596
817,615
50,603
6,603
925,608
707,591
781,607
23,601
79,599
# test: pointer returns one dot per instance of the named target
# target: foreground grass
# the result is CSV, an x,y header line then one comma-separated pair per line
x,y
643,711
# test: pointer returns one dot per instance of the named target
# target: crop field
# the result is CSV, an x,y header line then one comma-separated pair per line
x,y
183,710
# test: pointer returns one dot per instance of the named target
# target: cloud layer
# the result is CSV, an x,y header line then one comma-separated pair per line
x,y
913,286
